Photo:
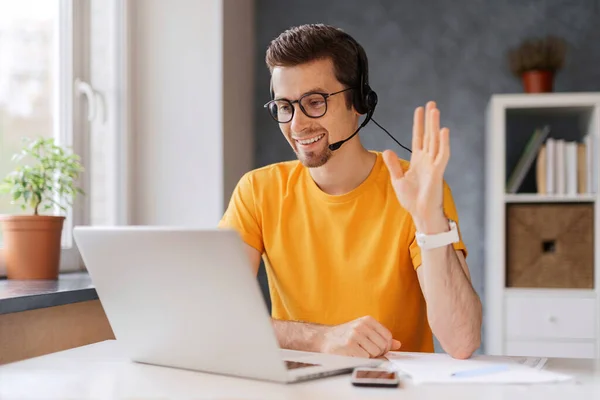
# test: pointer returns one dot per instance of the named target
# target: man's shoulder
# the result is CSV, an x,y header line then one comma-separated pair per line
x,y
276,172
404,164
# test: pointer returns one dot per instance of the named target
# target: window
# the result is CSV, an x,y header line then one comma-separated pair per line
x,y
61,76
28,53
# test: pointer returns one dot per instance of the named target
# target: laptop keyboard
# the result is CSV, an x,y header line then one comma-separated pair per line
x,y
297,364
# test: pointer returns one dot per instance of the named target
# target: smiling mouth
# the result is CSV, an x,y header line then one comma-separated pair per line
x,y
311,140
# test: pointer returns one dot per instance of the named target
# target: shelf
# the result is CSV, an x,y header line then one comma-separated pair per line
x,y
549,198
550,292
545,100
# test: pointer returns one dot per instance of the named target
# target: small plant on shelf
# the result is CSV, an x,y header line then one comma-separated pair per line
x,y
44,181
536,61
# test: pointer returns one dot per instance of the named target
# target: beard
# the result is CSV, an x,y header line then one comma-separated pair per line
x,y
314,158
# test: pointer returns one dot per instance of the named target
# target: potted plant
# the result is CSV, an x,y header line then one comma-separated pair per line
x,y
536,62
44,183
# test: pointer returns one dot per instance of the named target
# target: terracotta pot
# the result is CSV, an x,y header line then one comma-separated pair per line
x,y
32,245
538,81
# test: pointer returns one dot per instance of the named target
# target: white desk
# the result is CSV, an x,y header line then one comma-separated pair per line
x,y
99,371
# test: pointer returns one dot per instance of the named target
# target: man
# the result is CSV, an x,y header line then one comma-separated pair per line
x,y
338,228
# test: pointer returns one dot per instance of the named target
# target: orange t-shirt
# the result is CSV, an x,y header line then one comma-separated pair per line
x,y
331,259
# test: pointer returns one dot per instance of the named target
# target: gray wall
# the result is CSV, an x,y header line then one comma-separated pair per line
x,y
452,52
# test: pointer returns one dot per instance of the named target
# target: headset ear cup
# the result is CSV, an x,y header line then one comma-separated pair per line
x,y
366,101
358,101
371,100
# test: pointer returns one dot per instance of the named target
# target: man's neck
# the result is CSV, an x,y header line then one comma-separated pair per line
x,y
345,170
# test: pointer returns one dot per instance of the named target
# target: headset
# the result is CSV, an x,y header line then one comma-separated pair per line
x,y
364,98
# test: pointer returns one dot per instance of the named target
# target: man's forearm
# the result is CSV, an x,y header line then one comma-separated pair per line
x,y
298,335
453,306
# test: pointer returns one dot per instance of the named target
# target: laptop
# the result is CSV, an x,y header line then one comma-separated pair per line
x,y
188,298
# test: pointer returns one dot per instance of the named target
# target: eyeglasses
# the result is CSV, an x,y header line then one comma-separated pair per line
x,y
313,105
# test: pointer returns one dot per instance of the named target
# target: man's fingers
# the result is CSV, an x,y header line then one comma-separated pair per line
x,y
367,338
362,335
429,132
393,164
381,342
427,126
381,331
368,345
417,139
358,351
434,123
443,154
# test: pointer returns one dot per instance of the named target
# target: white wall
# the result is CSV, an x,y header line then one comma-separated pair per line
x,y
184,159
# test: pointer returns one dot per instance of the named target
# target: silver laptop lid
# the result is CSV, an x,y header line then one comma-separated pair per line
x,y
182,297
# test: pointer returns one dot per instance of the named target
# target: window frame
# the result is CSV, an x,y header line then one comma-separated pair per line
x,y
74,39
120,176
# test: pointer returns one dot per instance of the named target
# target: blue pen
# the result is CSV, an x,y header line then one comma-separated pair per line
x,y
480,371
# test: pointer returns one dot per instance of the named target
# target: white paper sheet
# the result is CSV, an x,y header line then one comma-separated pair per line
x,y
533,362
438,368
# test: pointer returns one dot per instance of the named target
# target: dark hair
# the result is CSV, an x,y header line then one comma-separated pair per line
x,y
305,43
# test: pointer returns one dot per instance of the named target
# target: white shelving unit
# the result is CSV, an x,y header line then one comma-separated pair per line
x,y
536,321
545,198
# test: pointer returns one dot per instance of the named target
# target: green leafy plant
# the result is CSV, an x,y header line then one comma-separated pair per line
x,y
46,179
547,53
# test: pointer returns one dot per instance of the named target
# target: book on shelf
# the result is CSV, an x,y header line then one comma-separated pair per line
x,y
527,157
566,167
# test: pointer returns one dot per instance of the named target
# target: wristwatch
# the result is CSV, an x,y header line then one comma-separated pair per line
x,y
427,242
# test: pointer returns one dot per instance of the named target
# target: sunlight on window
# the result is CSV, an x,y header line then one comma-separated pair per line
x,y
27,77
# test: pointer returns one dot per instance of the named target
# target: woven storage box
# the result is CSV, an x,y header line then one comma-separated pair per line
x,y
550,245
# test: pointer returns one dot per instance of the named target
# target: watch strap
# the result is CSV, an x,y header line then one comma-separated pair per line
x,y
433,241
